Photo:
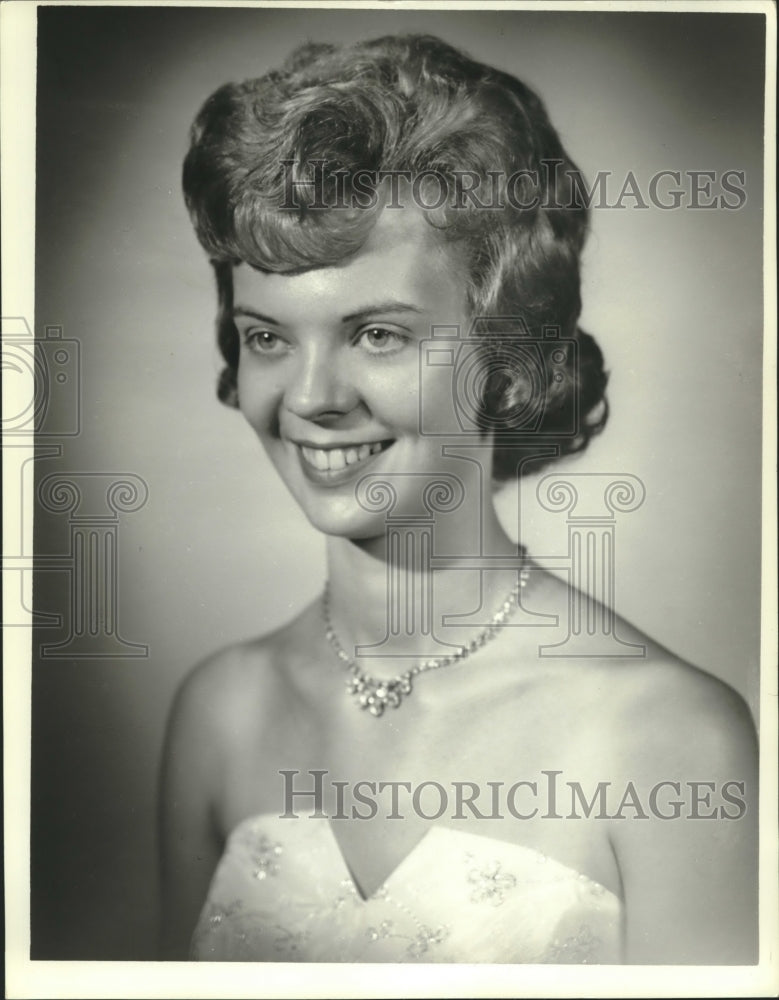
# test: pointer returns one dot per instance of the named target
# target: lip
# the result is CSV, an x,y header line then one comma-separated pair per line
x,y
329,445
335,477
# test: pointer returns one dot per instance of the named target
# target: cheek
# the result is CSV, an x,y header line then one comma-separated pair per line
x,y
392,396
435,402
259,400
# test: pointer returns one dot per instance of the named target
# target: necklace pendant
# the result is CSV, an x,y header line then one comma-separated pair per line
x,y
376,695
371,700
393,697
355,685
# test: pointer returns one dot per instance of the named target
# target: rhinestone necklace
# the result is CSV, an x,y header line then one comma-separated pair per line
x,y
375,695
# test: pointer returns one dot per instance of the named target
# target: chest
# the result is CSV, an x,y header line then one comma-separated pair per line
x,y
382,784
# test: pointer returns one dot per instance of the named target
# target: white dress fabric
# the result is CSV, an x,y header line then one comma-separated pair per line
x,y
282,893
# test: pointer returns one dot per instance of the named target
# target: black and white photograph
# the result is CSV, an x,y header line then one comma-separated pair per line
x,y
389,559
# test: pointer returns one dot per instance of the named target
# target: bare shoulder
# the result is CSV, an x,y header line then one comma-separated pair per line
x,y
243,682
198,745
674,750
217,683
667,713
203,723
222,712
653,707
683,748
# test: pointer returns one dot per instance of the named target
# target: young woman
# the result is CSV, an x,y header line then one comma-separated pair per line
x,y
396,232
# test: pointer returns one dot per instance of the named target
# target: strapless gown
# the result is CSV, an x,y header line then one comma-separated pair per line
x,y
282,892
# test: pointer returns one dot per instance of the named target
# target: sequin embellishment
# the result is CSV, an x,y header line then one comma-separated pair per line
x,y
578,948
490,883
419,943
281,894
264,858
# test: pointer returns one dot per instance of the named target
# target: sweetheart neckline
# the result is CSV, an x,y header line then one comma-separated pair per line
x,y
436,829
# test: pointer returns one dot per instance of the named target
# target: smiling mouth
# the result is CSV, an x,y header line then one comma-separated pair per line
x,y
339,459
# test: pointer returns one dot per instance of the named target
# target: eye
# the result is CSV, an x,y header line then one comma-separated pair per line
x,y
264,342
380,340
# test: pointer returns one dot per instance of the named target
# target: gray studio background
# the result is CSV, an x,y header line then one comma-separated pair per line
x,y
218,552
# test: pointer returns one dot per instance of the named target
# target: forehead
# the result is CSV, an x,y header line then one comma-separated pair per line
x,y
404,258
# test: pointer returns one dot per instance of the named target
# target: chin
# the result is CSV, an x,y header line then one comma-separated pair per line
x,y
344,520
330,507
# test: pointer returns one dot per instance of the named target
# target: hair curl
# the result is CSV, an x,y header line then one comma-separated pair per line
x,y
406,104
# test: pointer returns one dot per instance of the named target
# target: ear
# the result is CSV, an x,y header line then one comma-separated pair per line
x,y
227,389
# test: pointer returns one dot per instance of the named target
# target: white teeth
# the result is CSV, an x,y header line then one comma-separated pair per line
x,y
336,459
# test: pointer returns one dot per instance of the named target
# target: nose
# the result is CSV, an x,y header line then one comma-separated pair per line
x,y
319,386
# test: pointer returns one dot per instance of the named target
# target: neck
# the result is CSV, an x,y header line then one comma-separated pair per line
x,y
390,593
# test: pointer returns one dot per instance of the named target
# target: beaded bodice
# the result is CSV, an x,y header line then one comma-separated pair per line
x,y
282,893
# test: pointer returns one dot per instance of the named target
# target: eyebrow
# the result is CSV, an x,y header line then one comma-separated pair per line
x,y
246,311
390,306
